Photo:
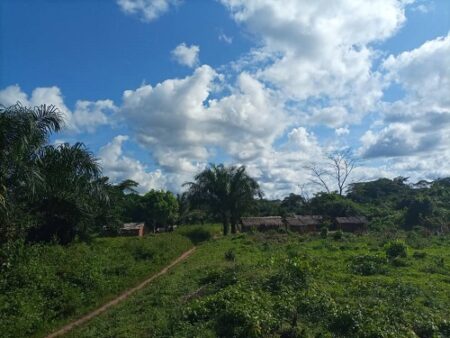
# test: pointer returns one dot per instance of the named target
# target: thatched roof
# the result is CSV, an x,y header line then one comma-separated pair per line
x,y
351,220
304,220
262,221
132,226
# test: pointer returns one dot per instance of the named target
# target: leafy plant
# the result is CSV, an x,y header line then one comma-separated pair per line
x,y
395,249
367,265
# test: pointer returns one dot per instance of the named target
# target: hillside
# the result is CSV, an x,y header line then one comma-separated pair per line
x,y
44,286
286,285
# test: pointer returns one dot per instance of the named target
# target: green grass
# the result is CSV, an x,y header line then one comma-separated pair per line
x,y
44,286
285,285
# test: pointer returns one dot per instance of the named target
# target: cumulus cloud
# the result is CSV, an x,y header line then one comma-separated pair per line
x,y
148,10
420,121
117,166
86,116
321,51
186,55
179,121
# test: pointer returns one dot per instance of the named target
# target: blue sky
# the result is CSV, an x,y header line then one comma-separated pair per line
x,y
251,82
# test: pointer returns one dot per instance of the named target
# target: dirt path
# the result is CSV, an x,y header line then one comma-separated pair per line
x,y
120,298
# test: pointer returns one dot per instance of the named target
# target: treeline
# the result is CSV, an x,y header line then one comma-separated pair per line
x,y
390,204
57,193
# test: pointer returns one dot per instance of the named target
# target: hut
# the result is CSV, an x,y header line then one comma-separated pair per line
x,y
132,229
261,223
304,223
351,224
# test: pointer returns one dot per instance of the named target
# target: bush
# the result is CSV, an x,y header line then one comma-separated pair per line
x,y
367,265
236,311
395,249
230,255
338,235
324,232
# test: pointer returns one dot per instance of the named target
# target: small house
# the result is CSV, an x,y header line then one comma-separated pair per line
x,y
304,223
351,224
261,223
132,229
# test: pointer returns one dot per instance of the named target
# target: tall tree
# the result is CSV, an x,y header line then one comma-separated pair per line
x,y
160,208
23,133
227,192
66,203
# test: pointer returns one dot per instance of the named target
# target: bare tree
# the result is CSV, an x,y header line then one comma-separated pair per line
x,y
335,171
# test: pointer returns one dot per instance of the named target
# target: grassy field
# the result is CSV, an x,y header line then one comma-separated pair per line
x,y
44,286
285,285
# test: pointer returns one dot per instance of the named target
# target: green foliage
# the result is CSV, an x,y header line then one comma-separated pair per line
x,y
338,235
160,208
324,232
395,249
291,286
333,205
23,133
367,265
230,255
235,311
43,285
226,192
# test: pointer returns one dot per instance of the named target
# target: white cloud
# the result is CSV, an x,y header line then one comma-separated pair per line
x,y
87,116
182,125
186,55
148,10
225,38
342,131
420,121
322,53
118,167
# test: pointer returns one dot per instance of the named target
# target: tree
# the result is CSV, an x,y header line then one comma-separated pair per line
x,y
293,204
332,205
335,172
227,192
159,208
113,214
23,133
65,203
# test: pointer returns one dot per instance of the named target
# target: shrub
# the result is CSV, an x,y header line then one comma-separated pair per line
x,y
324,232
230,255
236,311
395,249
338,235
367,265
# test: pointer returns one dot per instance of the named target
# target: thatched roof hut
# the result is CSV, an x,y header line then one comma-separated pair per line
x,y
304,223
261,223
352,223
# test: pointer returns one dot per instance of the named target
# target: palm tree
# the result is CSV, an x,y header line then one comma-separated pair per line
x,y
226,191
73,188
23,131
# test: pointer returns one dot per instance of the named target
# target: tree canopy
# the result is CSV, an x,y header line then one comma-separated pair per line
x,y
227,192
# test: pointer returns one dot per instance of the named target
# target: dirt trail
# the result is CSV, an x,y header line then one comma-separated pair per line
x,y
120,298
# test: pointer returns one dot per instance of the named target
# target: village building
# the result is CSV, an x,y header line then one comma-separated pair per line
x,y
262,223
132,229
351,224
304,223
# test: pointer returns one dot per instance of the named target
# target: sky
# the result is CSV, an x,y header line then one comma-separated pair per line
x,y
158,89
